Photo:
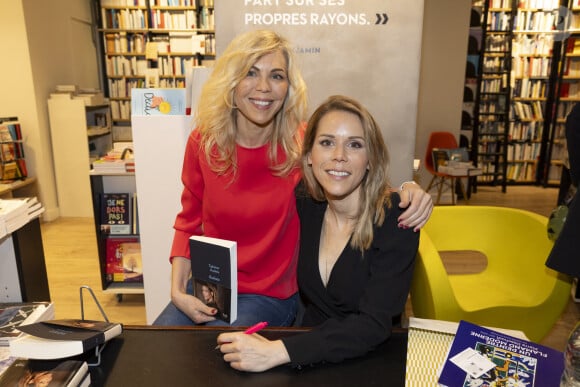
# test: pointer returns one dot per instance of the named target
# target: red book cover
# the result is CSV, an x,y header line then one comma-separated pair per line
x,y
124,263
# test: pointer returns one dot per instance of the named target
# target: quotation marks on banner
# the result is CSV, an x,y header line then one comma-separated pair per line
x,y
382,18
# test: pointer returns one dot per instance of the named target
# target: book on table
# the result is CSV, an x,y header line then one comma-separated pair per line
x,y
479,356
25,372
13,315
56,339
214,271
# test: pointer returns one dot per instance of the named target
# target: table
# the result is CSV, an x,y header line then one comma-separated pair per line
x,y
162,356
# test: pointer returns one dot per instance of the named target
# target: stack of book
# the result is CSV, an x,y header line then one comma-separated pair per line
x,y
465,354
12,316
118,160
68,373
15,213
57,339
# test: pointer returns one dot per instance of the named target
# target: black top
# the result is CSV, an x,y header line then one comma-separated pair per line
x,y
353,314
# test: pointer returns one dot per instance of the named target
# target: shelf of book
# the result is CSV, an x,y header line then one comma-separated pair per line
x,y
566,96
151,43
114,197
525,41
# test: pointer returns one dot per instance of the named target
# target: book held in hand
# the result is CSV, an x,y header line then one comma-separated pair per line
x,y
56,339
24,372
479,356
214,271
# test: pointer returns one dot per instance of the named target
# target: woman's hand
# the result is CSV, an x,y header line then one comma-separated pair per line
x,y
252,353
192,306
419,206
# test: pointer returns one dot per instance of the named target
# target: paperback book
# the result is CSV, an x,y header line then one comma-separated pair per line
x,y
484,357
124,262
156,102
13,315
56,339
24,372
214,274
115,213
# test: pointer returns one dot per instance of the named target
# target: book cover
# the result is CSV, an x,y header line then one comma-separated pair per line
x,y
155,102
55,339
484,357
124,261
115,213
13,315
214,274
24,372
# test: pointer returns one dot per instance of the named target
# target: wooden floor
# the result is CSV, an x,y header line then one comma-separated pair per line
x,y
72,261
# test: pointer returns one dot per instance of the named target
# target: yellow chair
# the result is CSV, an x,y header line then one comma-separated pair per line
x,y
515,291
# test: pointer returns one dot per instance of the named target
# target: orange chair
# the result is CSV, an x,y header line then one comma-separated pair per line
x,y
444,140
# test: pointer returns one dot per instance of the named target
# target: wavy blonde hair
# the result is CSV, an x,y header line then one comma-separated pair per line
x,y
375,185
216,114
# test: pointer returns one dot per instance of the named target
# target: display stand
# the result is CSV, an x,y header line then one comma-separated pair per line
x,y
158,145
99,348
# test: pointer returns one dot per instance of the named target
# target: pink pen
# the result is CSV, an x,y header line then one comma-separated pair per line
x,y
253,329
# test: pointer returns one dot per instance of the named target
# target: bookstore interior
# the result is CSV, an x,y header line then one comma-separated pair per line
x,y
112,166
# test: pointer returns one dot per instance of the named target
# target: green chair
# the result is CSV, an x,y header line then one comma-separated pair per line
x,y
515,291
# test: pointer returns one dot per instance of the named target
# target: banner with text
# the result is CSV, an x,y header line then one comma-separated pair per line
x,y
369,50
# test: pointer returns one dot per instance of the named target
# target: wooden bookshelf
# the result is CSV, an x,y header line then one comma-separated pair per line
x,y
516,134
155,40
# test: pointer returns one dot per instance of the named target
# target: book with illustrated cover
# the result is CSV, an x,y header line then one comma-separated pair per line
x,y
155,102
214,271
124,261
24,372
115,213
483,357
56,339
13,315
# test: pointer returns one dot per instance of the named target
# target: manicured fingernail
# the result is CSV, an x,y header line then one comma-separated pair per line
x,y
213,311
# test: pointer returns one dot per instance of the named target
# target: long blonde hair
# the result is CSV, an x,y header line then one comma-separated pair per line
x,y
215,113
374,186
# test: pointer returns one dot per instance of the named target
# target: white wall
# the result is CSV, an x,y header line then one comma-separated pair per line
x,y
343,50
443,55
45,43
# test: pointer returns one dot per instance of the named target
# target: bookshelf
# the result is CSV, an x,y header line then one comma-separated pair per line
x,y
492,102
151,43
12,161
567,94
517,96
537,51
72,121
120,262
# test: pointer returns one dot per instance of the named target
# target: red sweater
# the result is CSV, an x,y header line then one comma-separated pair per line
x,y
257,210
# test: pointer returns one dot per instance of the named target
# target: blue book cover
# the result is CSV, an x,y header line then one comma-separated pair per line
x,y
157,102
512,361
